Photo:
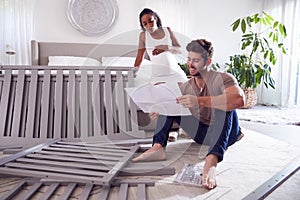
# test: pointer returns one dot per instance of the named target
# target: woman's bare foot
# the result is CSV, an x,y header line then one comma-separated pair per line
x,y
155,153
209,172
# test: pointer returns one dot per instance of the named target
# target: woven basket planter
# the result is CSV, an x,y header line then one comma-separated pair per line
x,y
250,98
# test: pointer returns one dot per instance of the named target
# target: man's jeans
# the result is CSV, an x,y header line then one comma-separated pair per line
x,y
219,136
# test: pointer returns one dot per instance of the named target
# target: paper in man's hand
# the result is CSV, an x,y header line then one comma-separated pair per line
x,y
161,98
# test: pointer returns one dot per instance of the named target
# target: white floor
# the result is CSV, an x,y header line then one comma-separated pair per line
x,y
283,132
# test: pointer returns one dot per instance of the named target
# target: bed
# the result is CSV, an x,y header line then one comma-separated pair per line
x,y
105,54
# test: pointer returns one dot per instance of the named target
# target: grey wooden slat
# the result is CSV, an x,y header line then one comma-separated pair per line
x,y
38,108
141,192
133,182
24,109
57,170
133,107
29,193
80,155
64,110
11,193
50,191
122,112
10,109
58,105
1,87
5,100
103,195
102,118
51,109
102,165
52,175
17,113
67,192
84,116
123,192
117,154
108,103
45,105
86,192
97,128
105,148
77,133
71,105
74,164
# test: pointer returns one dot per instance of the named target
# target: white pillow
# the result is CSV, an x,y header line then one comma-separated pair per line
x,y
122,61
72,61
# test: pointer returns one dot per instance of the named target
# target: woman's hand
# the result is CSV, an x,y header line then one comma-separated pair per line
x,y
154,115
159,49
187,101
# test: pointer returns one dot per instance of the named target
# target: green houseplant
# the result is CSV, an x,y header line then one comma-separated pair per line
x,y
261,40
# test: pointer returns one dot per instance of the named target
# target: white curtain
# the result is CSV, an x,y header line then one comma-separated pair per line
x,y
16,27
285,72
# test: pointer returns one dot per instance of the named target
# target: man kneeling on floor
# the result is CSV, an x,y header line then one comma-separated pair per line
x,y
212,98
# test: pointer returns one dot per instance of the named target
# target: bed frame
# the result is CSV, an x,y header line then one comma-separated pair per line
x,y
40,51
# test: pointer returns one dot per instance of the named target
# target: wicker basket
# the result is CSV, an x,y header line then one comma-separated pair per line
x,y
250,98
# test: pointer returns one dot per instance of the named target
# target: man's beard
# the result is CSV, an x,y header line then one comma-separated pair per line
x,y
200,73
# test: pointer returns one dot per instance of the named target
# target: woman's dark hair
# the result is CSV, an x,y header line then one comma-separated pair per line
x,y
151,12
201,46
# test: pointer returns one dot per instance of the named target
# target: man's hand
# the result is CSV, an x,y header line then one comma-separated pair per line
x,y
154,115
188,101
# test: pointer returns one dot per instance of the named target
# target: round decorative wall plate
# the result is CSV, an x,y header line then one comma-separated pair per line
x,y
92,17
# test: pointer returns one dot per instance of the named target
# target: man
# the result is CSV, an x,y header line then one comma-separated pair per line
x,y
212,98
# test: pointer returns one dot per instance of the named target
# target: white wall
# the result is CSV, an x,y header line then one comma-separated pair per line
x,y
51,23
213,18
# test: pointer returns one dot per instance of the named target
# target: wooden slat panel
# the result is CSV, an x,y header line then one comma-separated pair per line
x,y
71,106
45,105
16,121
58,105
108,103
5,101
84,116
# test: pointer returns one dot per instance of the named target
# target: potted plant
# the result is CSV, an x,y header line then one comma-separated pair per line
x,y
262,38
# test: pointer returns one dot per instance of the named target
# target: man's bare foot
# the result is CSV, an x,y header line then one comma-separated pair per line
x,y
155,153
209,172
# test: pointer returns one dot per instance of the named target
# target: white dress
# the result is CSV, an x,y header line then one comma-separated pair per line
x,y
164,67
